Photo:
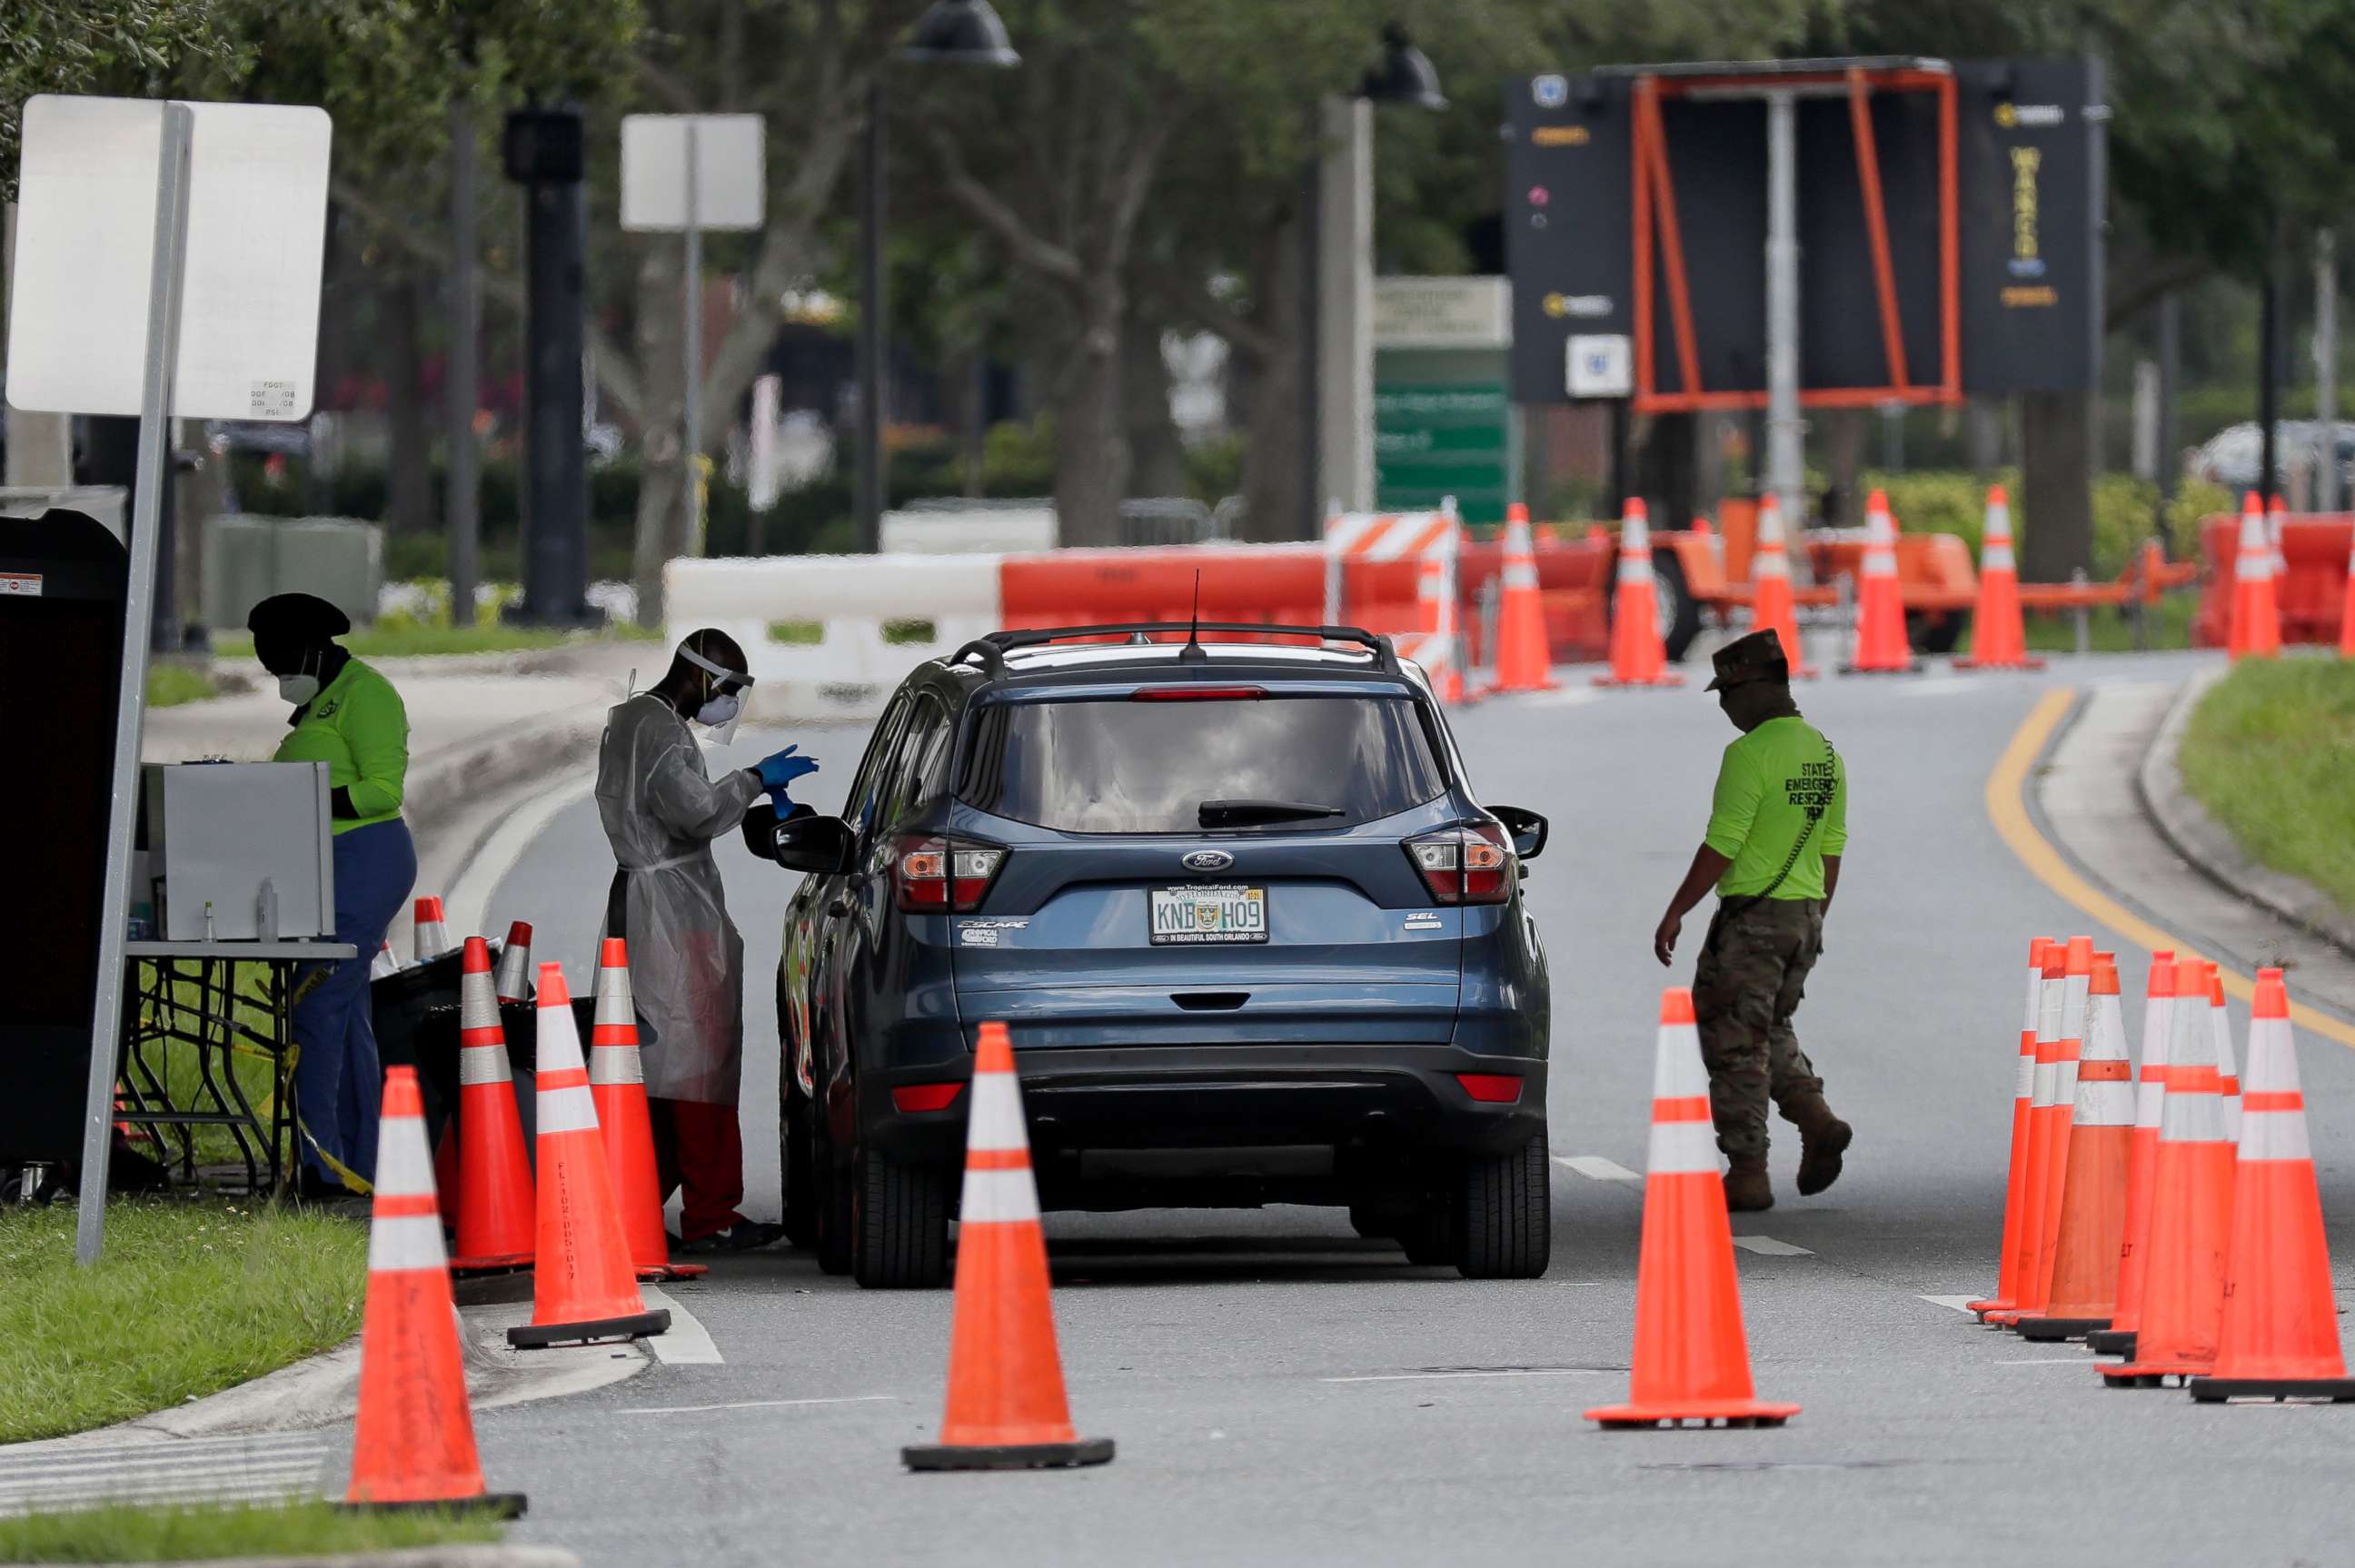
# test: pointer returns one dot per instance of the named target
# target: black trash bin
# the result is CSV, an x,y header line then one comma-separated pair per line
x,y
403,1007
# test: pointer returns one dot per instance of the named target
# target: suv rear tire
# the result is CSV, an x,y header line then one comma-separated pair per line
x,y
1504,1218
901,1236
797,1162
830,1196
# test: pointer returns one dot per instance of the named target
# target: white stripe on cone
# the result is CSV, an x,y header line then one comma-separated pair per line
x,y
2274,1135
403,1167
568,1110
998,1197
994,1120
483,1064
406,1242
1682,1148
1676,1070
2150,1093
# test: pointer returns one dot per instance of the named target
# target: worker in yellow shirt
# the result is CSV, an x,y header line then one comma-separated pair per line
x,y
1777,827
348,716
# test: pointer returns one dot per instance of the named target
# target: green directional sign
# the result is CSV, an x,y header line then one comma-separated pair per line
x,y
1438,439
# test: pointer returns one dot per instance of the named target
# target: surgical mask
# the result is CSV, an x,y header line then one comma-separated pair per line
x,y
725,705
722,710
300,687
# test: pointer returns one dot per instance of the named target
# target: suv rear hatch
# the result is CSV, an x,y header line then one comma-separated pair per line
x,y
1207,865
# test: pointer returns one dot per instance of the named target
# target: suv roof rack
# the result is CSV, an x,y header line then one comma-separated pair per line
x,y
1376,647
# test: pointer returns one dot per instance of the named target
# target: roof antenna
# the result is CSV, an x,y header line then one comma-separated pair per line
x,y
1193,651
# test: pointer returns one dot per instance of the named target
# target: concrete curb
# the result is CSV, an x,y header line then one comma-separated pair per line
x,y
2205,845
408,1557
323,1391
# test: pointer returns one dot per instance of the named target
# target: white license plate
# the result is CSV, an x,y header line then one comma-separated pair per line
x,y
1195,915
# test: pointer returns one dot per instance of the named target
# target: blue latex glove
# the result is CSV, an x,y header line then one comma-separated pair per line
x,y
781,770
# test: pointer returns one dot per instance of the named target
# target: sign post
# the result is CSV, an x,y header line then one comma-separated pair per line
x,y
204,224
691,172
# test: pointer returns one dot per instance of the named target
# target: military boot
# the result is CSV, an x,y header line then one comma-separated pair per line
x,y
1747,1189
1823,1138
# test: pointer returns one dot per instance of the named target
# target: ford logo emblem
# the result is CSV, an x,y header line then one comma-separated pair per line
x,y
1209,860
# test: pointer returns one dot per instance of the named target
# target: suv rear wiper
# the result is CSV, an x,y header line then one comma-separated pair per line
x,y
1231,812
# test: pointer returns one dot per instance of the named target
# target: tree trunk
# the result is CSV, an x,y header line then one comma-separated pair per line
x,y
2056,485
1157,457
1090,449
1664,468
661,532
410,473
1273,503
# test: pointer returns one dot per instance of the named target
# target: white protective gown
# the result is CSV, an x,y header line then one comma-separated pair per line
x,y
661,809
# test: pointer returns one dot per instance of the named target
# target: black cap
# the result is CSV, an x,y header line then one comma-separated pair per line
x,y
1756,655
306,617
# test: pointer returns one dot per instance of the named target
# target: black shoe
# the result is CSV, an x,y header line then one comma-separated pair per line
x,y
743,1236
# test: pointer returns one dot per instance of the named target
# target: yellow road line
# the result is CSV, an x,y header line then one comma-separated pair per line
x,y
2006,808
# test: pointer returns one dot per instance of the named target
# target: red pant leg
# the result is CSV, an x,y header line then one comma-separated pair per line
x,y
708,1147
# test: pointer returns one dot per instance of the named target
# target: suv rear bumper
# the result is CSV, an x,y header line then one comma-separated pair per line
x,y
1357,1101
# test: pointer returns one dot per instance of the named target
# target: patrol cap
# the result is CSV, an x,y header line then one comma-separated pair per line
x,y
304,617
1756,655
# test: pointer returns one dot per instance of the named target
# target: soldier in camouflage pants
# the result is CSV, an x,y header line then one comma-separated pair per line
x,y
1752,973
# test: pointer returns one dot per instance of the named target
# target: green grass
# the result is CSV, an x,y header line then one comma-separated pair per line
x,y
189,1297
170,685
2270,751
194,1532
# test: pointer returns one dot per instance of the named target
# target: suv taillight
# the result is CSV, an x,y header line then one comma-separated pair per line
x,y
1465,865
942,876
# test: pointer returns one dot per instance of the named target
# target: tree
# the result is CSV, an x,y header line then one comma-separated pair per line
x,y
123,48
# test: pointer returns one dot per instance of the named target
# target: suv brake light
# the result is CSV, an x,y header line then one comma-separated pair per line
x,y
1198,693
1465,865
942,876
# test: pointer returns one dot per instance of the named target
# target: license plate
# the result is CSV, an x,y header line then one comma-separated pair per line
x,y
1195,915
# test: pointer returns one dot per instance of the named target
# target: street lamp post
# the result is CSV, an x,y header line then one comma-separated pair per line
x,y
1405,77
953,32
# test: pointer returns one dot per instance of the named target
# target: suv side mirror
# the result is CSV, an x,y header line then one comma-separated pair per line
x,y
1528,830
823,845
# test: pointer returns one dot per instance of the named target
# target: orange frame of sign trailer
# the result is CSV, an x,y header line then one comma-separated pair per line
x,y
1652,184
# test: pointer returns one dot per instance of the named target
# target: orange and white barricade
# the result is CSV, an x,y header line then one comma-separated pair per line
x,y
1433,541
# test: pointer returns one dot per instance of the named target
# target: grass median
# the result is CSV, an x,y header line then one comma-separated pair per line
x,y
199,1533
2270,751
190,1297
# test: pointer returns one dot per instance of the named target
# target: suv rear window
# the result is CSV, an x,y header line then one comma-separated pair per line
x,y
1121,766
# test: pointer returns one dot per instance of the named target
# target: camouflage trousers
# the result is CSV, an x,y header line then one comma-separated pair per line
x,y
1752,973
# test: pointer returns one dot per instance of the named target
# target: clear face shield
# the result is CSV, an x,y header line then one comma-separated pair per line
x,y
725,691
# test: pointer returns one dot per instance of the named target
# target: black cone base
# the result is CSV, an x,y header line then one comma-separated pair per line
x,y
2111,1342
540,1336
2216,1391
2049,1330
1007,1456
489,1505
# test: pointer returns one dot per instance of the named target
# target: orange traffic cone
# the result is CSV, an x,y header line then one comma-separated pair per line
x,y
2279,1338
1692,1361
582,1284
2150,1097
1999,640
514,963
1006,1405
384,962
2084,1291
2043,1096
2257,612
495,1207
1638,657
2347,613
1524,661
2015,1187
414,1444
2190,1211
1881,645
2228,1073
432,930
1770,605
618,1082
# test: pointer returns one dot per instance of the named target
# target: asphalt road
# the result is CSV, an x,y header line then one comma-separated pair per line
x,y
1283,1391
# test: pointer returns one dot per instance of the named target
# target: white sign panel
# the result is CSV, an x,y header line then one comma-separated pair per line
x,y
730,182
85,239
1443,313
1601,365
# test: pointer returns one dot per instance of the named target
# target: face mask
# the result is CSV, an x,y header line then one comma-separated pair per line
x,y
298,688
720,711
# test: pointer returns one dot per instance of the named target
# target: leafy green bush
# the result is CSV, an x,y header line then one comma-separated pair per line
x,y
2125,511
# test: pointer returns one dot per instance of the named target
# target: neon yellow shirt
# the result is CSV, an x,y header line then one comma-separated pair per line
x,y
358,726
1770,779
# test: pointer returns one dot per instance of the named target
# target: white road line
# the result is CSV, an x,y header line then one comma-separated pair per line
x,y
687,1343
1959,1303
468,904
1596,1167
1768,1247
1478,1372
755,1404
2085,1361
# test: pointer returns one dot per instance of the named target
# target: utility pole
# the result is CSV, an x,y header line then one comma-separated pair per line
x,y
461,505
2325,368
873,371
545,155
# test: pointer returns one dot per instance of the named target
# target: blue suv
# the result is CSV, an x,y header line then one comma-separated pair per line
x,y
1255,939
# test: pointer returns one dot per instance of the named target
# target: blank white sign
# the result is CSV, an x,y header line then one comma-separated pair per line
x,y
86,237
730,176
